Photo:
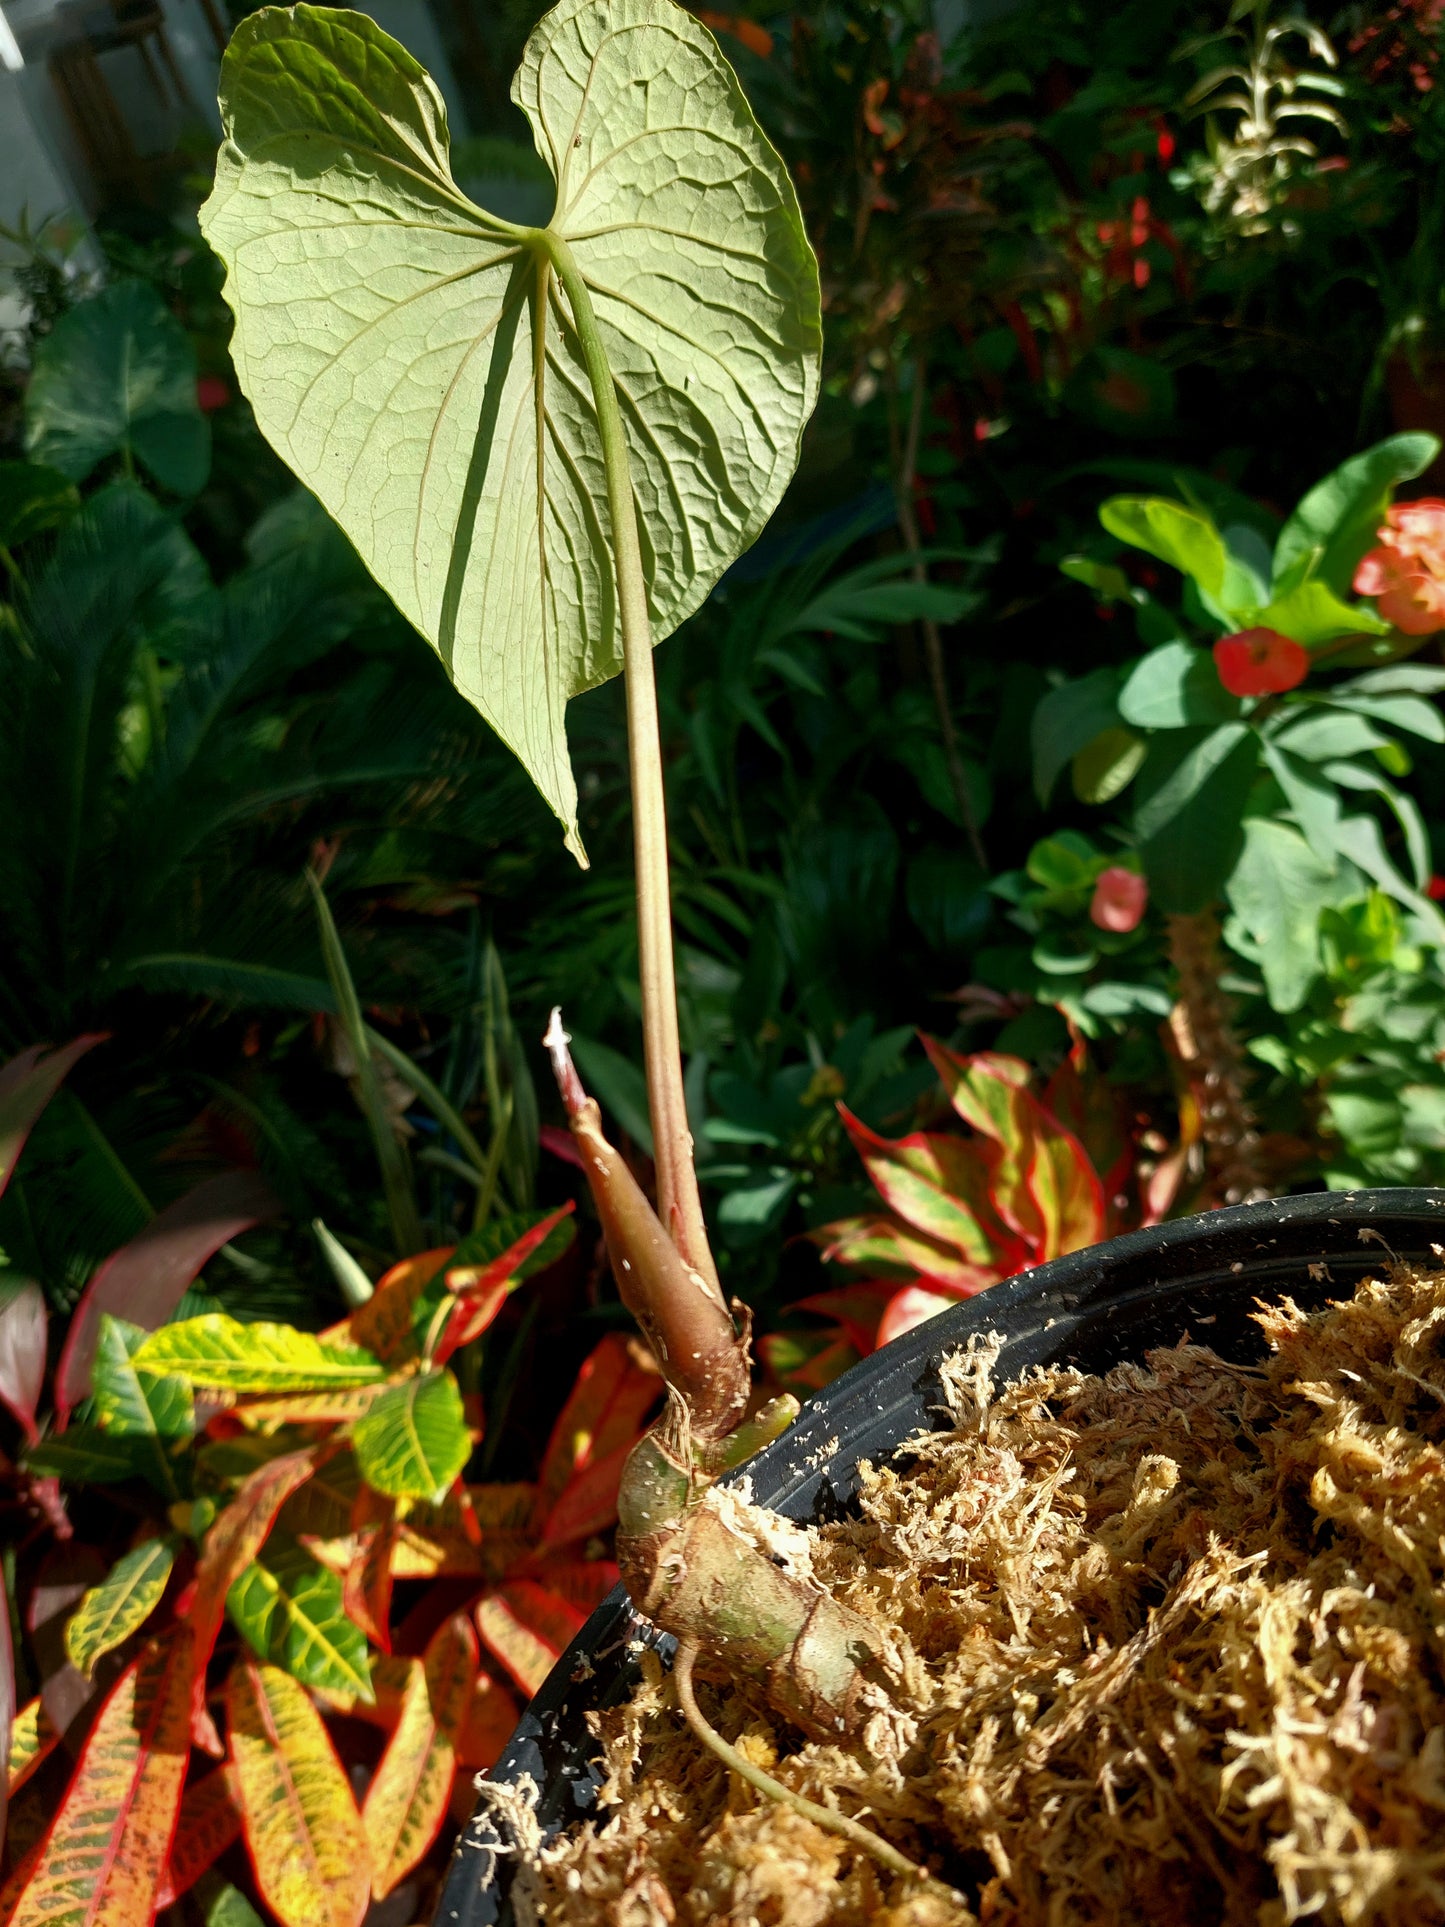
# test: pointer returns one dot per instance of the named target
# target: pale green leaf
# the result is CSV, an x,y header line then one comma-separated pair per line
x,y
110,1612
1277,890
1183,537
1337,521
415,361
413,1442
1311,613
219,1350
289,1608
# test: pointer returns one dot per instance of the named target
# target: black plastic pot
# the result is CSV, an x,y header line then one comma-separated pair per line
x,y
1094,1309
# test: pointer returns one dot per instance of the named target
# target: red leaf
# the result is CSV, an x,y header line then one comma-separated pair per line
x,y
908,1308
885,1244
525,1627
588,1504
231,1545
491,1717
855,1309
383,1325
104,1855
27,1084
481,1290
937,1183
146,1279
22,1354
611,1395
407,1800
210,1822
366,1589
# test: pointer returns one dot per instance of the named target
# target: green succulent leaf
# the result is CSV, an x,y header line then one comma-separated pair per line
x,y
220,1351
413,1441
1183,537
417,362
117,376
1336,522
124,1600
1189,814
1174,687
290,1610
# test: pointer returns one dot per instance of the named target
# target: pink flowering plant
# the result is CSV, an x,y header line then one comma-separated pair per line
x,y
1258,739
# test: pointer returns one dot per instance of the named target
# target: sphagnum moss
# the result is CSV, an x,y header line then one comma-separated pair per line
x,y
1171,1649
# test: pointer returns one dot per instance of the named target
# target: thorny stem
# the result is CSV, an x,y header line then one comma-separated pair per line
x,y
906,469
1203,1030
762,1782
680,1206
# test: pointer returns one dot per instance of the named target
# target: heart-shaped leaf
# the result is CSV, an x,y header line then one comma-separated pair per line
x,y
117,376
417,361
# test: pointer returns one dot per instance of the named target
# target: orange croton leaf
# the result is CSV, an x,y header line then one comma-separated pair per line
x,y
231,1545
491,1718
210,1822
525,1626
310,1408
383,1325
408,1798
481,1290
102,1861
366,1588
616,1387
302,1830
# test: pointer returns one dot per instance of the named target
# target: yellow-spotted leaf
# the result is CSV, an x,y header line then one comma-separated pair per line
x,y
407,1801
221,1351
104,1856
526,1627
122,1602
414,1440
302,1829
210,1822
311,1408
32,1740
419,362
231,1545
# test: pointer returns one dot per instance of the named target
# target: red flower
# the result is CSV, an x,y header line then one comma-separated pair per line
x,y
1435,889
1407,571
1119,899
1260,662
211,394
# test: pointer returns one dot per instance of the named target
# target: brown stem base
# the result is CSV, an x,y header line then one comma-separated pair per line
x,y
696,1578
1203,1030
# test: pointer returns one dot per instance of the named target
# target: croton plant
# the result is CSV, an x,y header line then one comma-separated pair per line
x,y
269,1489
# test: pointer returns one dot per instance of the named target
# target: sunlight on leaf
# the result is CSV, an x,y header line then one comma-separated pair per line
x,y
414,361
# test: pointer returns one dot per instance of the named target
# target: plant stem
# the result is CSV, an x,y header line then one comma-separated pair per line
x,y
906,469
1203,1030
679,1205
762,1782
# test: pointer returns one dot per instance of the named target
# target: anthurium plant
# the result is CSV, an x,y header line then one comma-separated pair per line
x,y
548,442
276,1486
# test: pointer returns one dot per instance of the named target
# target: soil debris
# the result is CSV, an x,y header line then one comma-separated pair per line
x,y
1172,1651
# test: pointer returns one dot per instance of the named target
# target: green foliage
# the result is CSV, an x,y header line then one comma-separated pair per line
x,y
413,1441
117,376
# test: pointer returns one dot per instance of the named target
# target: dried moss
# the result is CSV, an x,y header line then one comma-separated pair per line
x,y
1173,1652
